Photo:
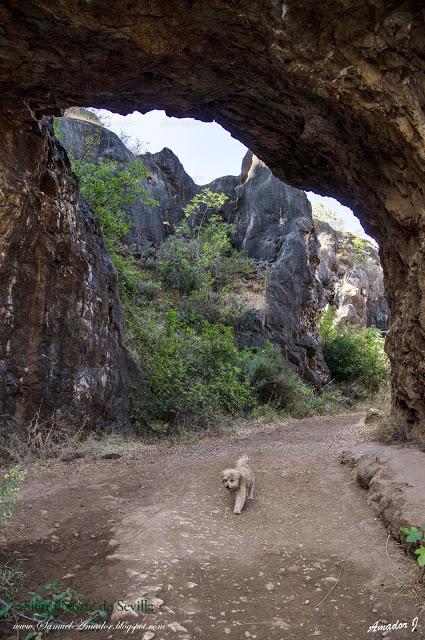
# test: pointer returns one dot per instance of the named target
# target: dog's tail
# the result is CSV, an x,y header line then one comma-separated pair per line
x,y
243,460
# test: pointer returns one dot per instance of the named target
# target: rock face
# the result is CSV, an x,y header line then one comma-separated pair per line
x,y
350,278
273,225
168,182
328,94
61,354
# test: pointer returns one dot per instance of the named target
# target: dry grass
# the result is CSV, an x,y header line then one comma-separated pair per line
x,y
39,439
380,401
251,292
389,425
44,442
11,579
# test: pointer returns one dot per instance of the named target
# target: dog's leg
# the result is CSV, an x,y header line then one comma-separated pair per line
x,y
240,498
251,491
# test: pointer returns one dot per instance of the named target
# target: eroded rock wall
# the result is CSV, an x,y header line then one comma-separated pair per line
x,y
350,278
61,353
167,183
274,226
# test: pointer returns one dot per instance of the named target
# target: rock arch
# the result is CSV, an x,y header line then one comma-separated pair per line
x,y
330,95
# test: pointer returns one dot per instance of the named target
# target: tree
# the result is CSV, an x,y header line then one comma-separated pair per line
x,y
325,215
109,190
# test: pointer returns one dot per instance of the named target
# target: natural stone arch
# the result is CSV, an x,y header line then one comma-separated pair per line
x,y
329,95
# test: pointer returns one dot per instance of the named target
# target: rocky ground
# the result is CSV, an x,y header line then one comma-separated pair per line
x,y
307,558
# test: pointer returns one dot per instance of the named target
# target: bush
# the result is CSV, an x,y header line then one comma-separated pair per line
x,y
109,190
129,275
275,383
192,374
177,264
200,258
354,354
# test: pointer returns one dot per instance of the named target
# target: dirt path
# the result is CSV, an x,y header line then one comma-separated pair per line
x,y
161,526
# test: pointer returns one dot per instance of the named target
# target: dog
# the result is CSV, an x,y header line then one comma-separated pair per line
x,y
241,482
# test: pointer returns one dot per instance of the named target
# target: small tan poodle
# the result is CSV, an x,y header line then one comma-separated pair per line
x,y
241,482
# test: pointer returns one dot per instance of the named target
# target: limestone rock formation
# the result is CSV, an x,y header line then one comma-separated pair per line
x,y
350,278
168,183
328,94
61,353
273,225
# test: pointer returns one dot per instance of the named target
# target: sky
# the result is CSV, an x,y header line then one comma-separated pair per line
x,y
206,150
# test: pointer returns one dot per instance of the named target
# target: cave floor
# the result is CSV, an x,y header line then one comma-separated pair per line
x,y
306,558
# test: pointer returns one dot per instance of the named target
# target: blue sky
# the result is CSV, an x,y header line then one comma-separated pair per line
x,y
205,149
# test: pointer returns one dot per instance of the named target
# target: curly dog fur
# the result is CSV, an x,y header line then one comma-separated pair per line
x,y
240,481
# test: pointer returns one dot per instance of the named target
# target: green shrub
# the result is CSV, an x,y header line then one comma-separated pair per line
x,y
354,354
361,247
199,257
277,384
129,274
109,189
193,374
202,204
177,266
201,260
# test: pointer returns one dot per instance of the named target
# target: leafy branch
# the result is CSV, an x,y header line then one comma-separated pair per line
x,y
416,536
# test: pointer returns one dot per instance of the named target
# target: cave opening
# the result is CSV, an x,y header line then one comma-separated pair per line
x,y
330,110
319,260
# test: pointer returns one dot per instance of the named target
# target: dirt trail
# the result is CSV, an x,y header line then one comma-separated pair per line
x,y
161,526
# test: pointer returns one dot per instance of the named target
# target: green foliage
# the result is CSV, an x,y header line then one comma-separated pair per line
x,y
202,203
275,383
191,361
194,369
174,320
47,606
193,374
53,601
9,492
360,248
201,259
128,272
416,536
354,353
57,129
325,215
109,190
